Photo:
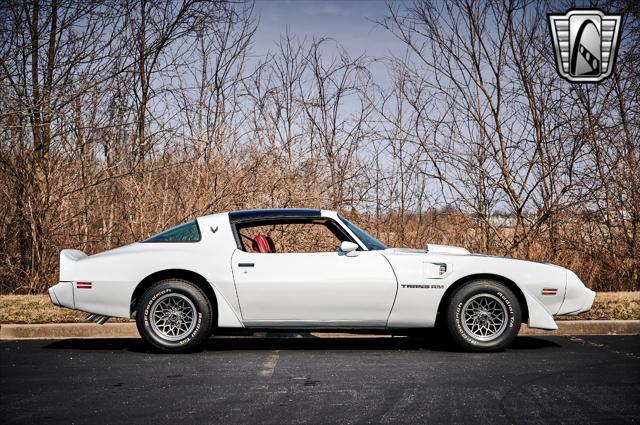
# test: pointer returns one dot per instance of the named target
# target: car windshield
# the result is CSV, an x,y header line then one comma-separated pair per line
x,y
369,241
187,232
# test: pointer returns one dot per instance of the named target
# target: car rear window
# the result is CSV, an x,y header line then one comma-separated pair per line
x,y
187,232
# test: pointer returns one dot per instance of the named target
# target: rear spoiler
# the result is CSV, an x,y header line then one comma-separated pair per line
x,y
68,259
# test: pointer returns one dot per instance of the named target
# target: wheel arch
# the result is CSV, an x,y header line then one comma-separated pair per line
x,y
187,275
444,301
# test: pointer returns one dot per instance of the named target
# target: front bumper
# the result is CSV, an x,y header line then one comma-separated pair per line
x,y
578,298
587,302
62,294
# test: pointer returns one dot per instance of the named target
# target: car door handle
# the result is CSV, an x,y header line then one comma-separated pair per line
x,y
245,264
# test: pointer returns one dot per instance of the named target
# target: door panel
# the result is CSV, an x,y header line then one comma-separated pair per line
x,y
325,289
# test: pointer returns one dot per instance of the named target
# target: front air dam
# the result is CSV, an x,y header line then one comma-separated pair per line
x,y
577,298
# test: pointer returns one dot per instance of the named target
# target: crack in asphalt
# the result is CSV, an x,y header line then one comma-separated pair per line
x,y
583,341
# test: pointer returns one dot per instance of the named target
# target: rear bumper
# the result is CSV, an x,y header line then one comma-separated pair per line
x,y
62,294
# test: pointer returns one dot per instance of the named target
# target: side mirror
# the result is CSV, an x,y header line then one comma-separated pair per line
x,y
349,248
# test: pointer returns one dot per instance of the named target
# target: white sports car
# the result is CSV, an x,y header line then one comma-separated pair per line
x,y
309,269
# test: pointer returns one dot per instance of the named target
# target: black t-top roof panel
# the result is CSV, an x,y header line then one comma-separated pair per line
x,y
276,213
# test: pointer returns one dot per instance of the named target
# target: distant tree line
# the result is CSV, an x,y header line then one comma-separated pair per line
x,y
121,118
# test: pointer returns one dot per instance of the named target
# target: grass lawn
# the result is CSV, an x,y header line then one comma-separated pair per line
x,y
38,309
612,306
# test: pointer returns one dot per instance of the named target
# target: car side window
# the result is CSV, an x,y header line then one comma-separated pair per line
x,y
289,238
187,232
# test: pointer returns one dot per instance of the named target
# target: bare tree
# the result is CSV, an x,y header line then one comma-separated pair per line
x,y
484,110
337,111
53,54
120,118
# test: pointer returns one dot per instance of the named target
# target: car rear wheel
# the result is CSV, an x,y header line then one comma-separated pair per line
x,y
483,315
174,316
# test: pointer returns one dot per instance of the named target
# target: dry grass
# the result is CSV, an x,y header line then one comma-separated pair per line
x,y
612,305
38,309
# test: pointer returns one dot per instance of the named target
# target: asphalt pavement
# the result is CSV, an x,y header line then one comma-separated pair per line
x,y
590,379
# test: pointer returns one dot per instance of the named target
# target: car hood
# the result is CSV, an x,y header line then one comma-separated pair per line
x,y
458,251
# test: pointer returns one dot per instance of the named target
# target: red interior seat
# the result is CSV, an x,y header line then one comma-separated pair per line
x,y
263,244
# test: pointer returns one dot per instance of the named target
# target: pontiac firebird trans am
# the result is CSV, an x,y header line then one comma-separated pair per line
x,y
226,271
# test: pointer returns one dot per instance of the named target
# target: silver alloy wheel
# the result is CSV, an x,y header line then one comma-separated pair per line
x,y
173,317
484,317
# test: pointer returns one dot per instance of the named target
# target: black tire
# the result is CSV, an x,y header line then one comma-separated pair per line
x,y
483,315
186,323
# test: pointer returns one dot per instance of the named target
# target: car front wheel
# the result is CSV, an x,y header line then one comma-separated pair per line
x,y
174,316
483,315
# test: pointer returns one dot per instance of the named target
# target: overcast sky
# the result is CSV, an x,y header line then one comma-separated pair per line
x,y
350,22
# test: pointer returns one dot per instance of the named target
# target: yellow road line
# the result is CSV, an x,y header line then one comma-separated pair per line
x,y
270,364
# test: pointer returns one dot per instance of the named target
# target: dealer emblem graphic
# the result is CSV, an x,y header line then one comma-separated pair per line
x,y
586,43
